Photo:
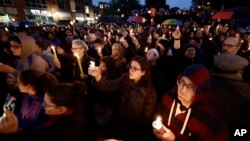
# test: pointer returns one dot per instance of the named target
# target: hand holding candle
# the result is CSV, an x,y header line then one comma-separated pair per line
x,y
54,52
157,124
79,64
92,65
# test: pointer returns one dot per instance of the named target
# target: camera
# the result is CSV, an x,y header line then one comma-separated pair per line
x,y
10,103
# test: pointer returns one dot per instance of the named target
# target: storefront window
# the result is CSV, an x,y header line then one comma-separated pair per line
x,y
36,3
78,6
6,3
61,4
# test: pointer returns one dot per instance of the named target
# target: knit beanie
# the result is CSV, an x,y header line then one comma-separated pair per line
x,y
158,31
155,52
200,77
197,73
164,42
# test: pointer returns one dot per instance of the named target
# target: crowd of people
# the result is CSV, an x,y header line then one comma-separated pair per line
x,y
110,82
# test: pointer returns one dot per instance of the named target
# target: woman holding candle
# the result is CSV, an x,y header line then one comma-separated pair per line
x,y
64,64
137,100
79,49
185,112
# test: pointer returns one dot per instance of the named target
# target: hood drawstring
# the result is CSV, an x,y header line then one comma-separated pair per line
x,y
186,119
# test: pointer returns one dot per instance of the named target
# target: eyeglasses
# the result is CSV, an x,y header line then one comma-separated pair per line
x,y
76,48
47,106
133,68
229,45
15,46
182,84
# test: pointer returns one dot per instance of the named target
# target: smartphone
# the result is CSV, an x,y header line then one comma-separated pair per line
x,y
10,103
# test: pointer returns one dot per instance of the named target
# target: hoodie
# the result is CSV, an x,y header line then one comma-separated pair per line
x,y
197,122
29,59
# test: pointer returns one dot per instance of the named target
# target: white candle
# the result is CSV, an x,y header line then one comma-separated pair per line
x,y
54,52
109,34
6,29
146,49
157,124
92,65
99,49
131,32
79,64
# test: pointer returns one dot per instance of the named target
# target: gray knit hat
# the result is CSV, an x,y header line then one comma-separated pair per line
x,y
230,63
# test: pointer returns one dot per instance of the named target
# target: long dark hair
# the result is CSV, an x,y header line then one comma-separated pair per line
x,y
110,65
40,81
145,79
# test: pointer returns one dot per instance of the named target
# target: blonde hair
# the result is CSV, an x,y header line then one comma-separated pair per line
x,y
81,43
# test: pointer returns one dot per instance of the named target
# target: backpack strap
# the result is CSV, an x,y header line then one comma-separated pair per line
x,y
30,58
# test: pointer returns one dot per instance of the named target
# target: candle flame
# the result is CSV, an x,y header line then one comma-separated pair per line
x,y
76,55
157,124
158,118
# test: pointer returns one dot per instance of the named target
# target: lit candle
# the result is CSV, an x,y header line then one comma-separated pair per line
x,y
109,34
6,29
157,124
131,32
146,49
99,49
79,64
92,65
54,51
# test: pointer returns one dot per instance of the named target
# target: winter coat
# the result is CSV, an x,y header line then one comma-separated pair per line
x,y
135,108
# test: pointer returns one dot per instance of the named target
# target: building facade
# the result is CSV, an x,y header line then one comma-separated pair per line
x,y
47,11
